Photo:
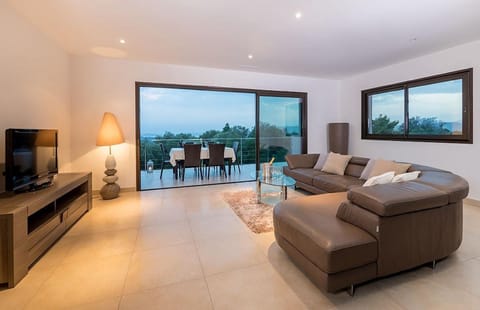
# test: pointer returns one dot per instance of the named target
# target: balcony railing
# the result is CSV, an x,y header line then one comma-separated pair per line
x,y
270,147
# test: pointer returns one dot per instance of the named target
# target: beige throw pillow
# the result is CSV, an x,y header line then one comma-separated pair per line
x,y
320,162
380,179
336,163
381,166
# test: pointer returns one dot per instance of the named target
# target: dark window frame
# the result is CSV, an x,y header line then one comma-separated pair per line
x,y
465,75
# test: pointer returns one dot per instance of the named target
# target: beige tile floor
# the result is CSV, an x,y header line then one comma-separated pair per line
x,y
185,249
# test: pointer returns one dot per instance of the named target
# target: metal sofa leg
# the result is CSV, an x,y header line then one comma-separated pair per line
x,y
351,290
434,264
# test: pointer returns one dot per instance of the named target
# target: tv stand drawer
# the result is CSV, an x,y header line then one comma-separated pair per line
x,y
40,233
40,247
81,201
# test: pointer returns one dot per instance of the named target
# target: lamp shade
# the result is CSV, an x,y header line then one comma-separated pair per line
x,y
110,132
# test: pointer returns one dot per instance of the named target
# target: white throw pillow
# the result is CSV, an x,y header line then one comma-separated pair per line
x,y
336,163
367,170
406,176
322,158
380,179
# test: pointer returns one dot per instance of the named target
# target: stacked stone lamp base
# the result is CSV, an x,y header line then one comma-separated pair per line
x,y
111,189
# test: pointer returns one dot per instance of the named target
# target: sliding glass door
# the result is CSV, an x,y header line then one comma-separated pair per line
x,y
254,125
281,131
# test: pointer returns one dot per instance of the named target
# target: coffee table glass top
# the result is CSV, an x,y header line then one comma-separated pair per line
x,y
276,178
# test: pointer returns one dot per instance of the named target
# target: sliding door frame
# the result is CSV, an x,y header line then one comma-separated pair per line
x,y
258,93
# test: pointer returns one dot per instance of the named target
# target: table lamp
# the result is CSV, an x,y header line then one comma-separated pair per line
x,y
110,134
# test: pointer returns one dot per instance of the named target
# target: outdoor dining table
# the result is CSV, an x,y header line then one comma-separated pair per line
x,y
178,154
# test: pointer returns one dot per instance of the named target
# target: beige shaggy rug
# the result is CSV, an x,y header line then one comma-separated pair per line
x,y
257,216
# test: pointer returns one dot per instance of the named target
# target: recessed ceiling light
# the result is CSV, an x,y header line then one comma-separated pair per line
x,y
122,41
298,15
250,56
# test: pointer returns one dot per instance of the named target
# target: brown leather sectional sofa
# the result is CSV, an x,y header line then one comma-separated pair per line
x,y
352,234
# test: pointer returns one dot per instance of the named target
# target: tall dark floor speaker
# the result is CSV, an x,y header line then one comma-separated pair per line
x,y
338,138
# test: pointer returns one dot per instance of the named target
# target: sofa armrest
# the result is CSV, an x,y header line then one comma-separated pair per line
x,y
397,198
362,218
301,160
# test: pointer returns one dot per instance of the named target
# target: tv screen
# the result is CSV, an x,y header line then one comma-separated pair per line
x,y
30,158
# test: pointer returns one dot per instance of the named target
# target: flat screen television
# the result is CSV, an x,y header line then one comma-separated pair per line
x,y
30,158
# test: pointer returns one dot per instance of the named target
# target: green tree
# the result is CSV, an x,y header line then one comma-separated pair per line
x,y
383,126
226,128
209,134
426,126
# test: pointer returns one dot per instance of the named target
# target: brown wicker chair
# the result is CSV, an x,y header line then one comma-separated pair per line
x,y
216,158
192,159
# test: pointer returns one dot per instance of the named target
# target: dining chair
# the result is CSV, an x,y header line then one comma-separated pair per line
x,y
165,160
216,158
192,159
235,150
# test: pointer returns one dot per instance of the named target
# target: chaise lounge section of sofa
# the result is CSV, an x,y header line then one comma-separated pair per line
x,y
352,234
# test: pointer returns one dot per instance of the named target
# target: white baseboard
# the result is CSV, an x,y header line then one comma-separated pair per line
x,y
472,202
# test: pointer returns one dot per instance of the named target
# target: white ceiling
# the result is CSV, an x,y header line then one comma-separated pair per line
x,y
334,38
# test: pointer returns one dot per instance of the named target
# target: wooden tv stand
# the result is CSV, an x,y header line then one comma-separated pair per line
x,y
30,223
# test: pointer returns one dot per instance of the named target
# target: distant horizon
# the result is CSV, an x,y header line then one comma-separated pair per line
x,y
151,134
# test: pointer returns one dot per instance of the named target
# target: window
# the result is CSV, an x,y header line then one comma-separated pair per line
x,y
436,109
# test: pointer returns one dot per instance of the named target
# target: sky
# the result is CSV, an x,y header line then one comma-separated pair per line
x,y
195,111
443,100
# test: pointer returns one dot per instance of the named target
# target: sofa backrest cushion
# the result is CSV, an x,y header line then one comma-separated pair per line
x,y
301,160
416,167
356,166
397,198
455,186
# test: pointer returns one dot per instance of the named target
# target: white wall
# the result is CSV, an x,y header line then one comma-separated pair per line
x,y
34,82
458,158
100,85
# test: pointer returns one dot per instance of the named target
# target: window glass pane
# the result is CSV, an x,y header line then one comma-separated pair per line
x,y
386,112
436,109
280,128
170,117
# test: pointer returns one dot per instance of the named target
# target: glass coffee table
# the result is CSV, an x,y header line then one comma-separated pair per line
x,y
276,179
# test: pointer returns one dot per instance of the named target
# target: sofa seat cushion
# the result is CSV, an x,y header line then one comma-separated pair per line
x,y
311,226
336,183
304,175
